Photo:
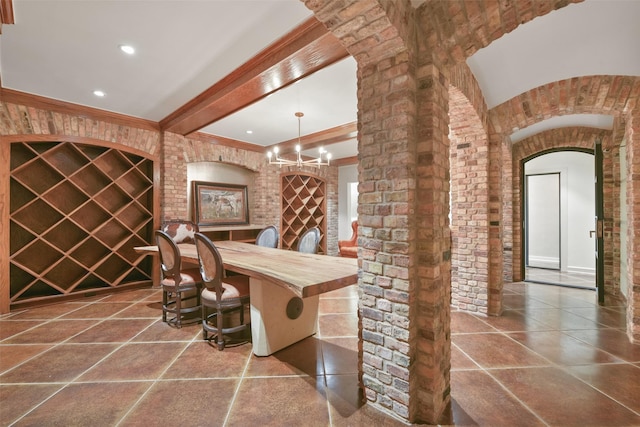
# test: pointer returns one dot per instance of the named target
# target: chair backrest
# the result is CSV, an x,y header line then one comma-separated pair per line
x,y
309,241
211,267
353,240
354,233
181,231
170,261
268,237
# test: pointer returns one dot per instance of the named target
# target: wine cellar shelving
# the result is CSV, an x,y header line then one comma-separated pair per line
x,y
76,213
303,207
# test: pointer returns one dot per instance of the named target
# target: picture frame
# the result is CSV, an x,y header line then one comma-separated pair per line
x,y
220,204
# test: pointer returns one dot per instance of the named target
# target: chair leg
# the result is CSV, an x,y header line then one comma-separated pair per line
x,y
178,309
164,306
220,325
204,323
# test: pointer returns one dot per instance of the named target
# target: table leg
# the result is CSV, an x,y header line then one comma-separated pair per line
x,y
272,328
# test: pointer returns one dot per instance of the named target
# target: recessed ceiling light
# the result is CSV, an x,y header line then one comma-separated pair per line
x,y
127,49
249,132
99,93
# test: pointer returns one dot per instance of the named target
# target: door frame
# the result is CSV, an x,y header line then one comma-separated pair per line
x,y
599,218
522,264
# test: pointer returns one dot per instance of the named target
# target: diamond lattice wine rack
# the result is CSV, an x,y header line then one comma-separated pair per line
x,y
76,213
303,207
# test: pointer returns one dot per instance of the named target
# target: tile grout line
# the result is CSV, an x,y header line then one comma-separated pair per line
x,y
55,345
562,368
237,390
67,383
504,387
566,370
158,377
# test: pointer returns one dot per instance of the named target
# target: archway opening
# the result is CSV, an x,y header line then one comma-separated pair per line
x,y
559,227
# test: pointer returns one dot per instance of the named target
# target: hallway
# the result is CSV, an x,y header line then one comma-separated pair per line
x,y
554,358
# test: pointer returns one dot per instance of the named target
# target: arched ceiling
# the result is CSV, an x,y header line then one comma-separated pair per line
x,y
583,39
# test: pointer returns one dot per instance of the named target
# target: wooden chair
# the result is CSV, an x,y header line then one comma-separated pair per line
x,y
180,230
176,282
268,237
223,295
309,241
349,248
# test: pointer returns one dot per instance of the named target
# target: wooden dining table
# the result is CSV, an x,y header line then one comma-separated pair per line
x,y
285,287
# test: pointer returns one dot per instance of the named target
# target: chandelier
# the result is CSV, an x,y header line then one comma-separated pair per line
x,y
322,160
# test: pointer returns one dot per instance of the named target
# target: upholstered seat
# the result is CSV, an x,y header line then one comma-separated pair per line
x,y
268,237
223,296
179,287
181,231
349,248
309,241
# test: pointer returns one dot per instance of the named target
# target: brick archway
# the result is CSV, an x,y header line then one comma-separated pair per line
x,y
406,61
569,139
611,95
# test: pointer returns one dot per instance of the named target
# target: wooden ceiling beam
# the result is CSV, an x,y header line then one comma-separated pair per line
x,y
6,13
323,138
305,50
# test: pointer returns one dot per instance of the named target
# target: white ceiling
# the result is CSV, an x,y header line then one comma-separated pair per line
x,y
65,49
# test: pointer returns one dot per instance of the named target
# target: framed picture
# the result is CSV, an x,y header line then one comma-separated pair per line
x,y
220,204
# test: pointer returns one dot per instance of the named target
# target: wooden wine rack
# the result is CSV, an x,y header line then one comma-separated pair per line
x,y
76,213
303,207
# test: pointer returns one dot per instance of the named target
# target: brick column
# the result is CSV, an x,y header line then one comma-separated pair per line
x,y
509,273
633,217
431,317
173,178
495,241
405,242
403,218
611,200
386,116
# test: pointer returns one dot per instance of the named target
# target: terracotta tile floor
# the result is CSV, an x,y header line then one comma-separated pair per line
x,y
557,277
554,359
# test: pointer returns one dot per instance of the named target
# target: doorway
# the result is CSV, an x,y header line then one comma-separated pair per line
x,y
559,206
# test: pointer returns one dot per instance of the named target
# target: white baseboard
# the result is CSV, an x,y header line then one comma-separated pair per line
x,y
581,270
543,262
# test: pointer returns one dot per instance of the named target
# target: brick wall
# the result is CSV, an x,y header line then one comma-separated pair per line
x,y
478,286
173,152
403,115
17,119
633,242
469,206
266,185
